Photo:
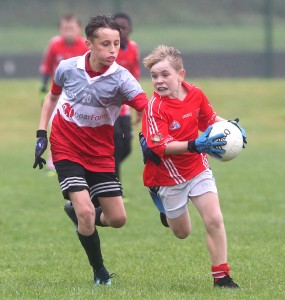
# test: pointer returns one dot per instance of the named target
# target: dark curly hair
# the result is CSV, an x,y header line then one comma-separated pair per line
x,y
100,21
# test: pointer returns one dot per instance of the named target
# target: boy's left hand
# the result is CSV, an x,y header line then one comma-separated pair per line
x,y
235,122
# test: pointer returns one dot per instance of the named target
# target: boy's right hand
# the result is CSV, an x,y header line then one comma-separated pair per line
x,y
210,145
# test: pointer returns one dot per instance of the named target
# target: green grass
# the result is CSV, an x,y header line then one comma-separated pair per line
x,y
41,257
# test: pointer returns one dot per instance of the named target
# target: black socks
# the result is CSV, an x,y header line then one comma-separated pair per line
x,y
92,247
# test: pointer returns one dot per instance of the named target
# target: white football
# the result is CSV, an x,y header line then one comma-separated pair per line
x,y
233,137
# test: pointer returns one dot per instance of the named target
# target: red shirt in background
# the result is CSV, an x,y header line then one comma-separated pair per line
x,y
58,50
129,59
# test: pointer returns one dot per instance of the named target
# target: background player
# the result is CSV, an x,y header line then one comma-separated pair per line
x,y
128,57
175,114
67,44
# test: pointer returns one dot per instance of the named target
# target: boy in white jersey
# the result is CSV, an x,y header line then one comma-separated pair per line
x,y
89,91
175,114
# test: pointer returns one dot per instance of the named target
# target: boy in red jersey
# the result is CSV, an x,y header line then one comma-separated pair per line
x,y
175,114
88,92
128,57
67,44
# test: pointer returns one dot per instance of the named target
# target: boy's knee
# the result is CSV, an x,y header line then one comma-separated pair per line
x,y
182,233
214,222
86,215
118,221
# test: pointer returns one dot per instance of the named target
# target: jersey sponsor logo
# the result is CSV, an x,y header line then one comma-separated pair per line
x,y
187,116
157,137
68,110
91,117
174,125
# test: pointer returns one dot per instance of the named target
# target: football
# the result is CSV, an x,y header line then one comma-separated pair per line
x,y
233,136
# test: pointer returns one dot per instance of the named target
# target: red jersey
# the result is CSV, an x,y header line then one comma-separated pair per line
x,y
167,120
58,50
129,59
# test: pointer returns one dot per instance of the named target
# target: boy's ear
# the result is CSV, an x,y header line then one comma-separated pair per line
x,y
88,43
182,74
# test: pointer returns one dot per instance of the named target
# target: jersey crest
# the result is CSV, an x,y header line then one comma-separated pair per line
x,y
174,125
157,137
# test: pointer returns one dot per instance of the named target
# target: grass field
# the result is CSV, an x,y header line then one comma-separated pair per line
x,y
41,257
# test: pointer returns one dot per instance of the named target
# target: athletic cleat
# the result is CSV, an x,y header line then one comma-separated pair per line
x,y
102,277
225,282
163,220
69,209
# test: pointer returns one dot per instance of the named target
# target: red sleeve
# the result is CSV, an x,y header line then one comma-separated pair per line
x,y
55,89
155,129
139,102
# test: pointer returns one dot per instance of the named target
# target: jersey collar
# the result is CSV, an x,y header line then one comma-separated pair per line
x,y
83,64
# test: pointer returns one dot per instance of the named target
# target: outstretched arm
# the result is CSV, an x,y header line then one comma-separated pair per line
x,y
42,141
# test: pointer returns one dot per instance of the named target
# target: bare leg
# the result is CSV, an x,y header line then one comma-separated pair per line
x,y
85,211
114,213
209,208
180,226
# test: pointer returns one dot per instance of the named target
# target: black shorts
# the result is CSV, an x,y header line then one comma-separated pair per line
x,y
73,177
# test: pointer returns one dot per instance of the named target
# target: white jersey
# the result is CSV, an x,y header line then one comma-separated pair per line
x,y
82,129
95,101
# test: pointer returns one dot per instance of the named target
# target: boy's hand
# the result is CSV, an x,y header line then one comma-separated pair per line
x,y
41,146
235,122
147,152
207,144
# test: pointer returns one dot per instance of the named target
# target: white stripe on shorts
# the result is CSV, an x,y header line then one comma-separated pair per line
x,y
105,187
72,181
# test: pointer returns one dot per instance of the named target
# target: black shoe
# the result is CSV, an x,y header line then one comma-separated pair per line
x,y
163,220
69,209
102,277
225,282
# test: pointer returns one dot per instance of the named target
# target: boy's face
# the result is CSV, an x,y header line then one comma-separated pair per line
x,y
125,29
166,80
69,30
104,47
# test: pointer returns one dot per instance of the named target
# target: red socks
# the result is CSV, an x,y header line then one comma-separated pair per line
x,y
220,271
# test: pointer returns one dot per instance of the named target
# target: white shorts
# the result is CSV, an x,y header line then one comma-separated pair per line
x,y
175,198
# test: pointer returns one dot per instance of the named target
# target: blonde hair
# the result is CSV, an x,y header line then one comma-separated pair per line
x,y
162,52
